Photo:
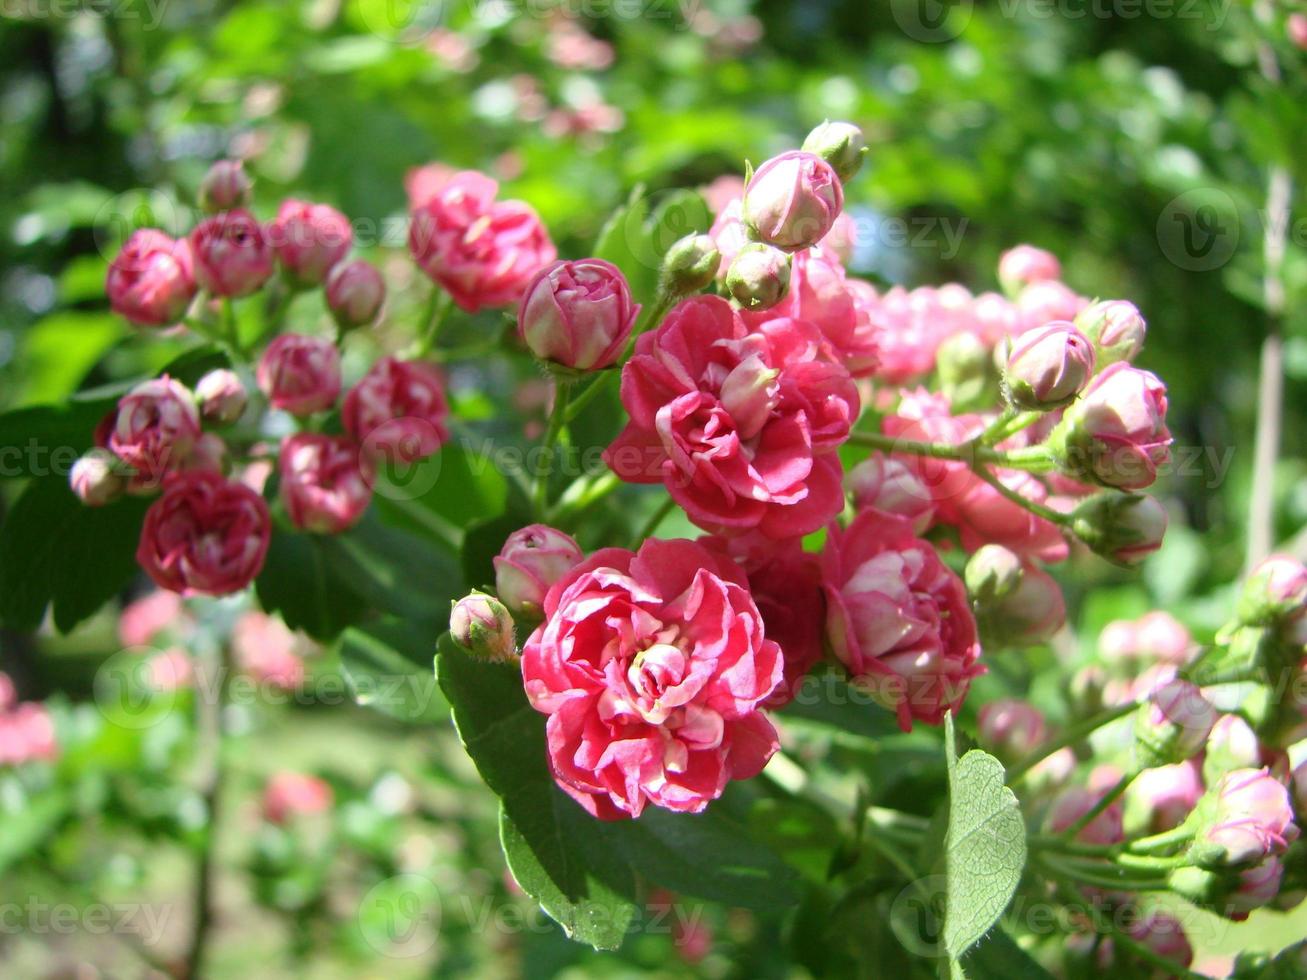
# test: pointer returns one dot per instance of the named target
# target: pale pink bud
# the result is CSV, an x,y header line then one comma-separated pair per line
x,y
324,483
578,314
1162,933
1117,642
1252,819
530,561
1011,728
1296,29
1172,725
293,794
151,282
889,485
481,625
95,480
1275,592
1123,528
300,374
1231,745
231,253
1023,264
355,292
792,200
1258,887
1049,366
221,396
309,240
1116,433
225,187
1045,301
1115,328
993,572
1029,614
1166,794
1076,801
759,276
1161,635
208,455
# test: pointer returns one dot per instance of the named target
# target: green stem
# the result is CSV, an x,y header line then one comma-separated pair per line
x,y
433,317
229,327
589,393
649,321
1106,800
583,492
1034,459
1036,508
1064,870
1007,424
1162,841
557,417
1071,736
651,525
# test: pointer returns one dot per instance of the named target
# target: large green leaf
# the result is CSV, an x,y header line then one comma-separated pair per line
x,y
300,582
387,665
985,847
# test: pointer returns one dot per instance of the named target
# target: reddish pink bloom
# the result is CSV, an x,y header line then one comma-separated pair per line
x,y
294,794
152,429
355,292
740,426
888,484
483,251
578,314
898,618
309,239
266,650
651,667
1023,264
791,200
232,254
530,562
398,410
300,374
145,618
151,281
1116,432
204,536
423,183
225,186
325,482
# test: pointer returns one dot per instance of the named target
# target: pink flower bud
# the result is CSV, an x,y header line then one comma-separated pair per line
x,y
324,483
221,396
225,187
1123,528
1160,635
1162,933
1166,795
1116,433
1172,725
1076,801
1117,642
1011,728
840,144
1030,614
481,625
95,480
1258,887
1115,328
204,536
890,485
151,282
1024,264
293,794
1231,745
993,572
209,454
1275,592
355,292
27,734
300,374
1049,366
578,314
530,561
398,411
309,240
1045,301
791,200
1252,819
153,428
759,276
232,255
1296,29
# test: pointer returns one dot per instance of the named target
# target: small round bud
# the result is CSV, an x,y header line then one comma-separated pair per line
x,y
965,366
1011,728
209,454
992,573
531,561
1031,613
355,292
578,314
482,626
1232,744
1115,328
1049,367
221,396
1022,265
1115,434
300,374
840,144
889,485
1124,528
94,479
759,277
224,187
1248,818
1275,593
1172,725
1296,29
791,201
690,265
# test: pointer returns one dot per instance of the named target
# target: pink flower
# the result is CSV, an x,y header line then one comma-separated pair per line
x,y
1116,433
294,794
1296,29
651,667
423,183
145,618
1258,886
309,239
27,734
1045,301
355,292
1275,592
483,251
1049,366
578,314
1159,634
722,191
1076,801
1012,727
1031,613
1164,935
204,536
300,374
842,238
1023,264
1174,723
221,396
530,562
325,483
791,200
152,429
170,670
232,254
266,650
888,484
151,281
1168,794
740,426
225,186
398,410
898,618
1252,819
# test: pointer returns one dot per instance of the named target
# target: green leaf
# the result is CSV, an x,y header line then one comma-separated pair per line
x,y
637,236
442,493
30,825
985,847
482,542
387,665
300,582
998,957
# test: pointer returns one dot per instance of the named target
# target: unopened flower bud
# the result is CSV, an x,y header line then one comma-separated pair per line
x,y
965,366
1115,328
1231,745
310,240
840,144
209,454
1172,725
225,186
482,626
221,396
1049,367
1018,267
1124,528
1275,593
759,277
1115,434
1031,613
300,374
690,265
890,485
1248,818
532,560
791,201
992,573
1077,801
231,253
1164,935
94,479
355,292
1011,728
578,314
